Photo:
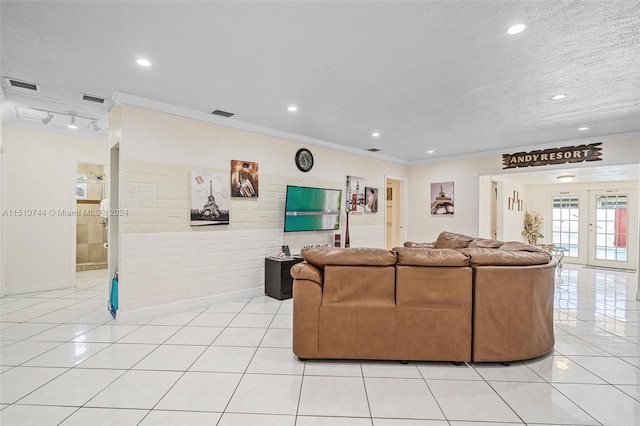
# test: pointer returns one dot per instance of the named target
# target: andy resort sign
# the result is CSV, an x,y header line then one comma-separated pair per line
x,y
567,154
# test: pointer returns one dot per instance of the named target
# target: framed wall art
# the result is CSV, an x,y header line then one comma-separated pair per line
x,y
209,198
371,195
244,179
441,198
355,194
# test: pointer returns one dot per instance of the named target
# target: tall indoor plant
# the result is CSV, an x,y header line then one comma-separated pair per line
x,y
532,226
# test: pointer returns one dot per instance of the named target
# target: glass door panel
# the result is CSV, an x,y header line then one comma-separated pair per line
x,y
566,223
612,217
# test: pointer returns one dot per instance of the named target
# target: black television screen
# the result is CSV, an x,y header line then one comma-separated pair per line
x,y
312,209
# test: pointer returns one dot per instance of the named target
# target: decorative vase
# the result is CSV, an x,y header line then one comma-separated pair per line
x,y
346,233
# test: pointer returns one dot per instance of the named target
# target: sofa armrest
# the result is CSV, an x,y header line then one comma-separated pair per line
x,y
307,298
306,271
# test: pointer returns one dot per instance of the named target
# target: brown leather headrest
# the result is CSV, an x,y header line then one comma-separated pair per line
x,y
452,240
322,257
430,257
498,257
418,245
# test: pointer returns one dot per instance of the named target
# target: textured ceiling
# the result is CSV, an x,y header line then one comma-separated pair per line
x,y
427,75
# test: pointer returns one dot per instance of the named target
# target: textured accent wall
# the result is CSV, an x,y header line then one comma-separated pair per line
x,y
164,260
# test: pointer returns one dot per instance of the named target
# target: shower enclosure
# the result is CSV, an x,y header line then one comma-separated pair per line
x,y
91,225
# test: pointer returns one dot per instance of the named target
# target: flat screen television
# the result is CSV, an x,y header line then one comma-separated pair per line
x,y
312,209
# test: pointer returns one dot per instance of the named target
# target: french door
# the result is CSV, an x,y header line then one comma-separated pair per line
x,y
597,228
613,231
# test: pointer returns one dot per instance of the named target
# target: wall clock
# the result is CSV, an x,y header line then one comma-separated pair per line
x,y
304,160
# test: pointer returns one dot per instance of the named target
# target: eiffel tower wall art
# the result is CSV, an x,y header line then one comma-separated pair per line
x,y
209,198
441,198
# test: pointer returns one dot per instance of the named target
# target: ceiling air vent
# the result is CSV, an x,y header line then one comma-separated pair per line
x,y
24,85
90,98
222,113
373,150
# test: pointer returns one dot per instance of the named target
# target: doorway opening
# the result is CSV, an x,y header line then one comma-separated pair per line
x,y
91,219
395,232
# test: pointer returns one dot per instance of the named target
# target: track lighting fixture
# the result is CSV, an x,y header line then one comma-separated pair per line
x,y
47,119
56,119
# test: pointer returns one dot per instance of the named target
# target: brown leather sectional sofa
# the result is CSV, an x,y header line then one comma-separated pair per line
x,y
457,299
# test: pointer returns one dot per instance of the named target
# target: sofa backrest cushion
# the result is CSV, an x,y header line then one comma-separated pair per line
x,y
452,240
418,245
483,242
430,257
322,257
499,257
434,288
519,246
359,286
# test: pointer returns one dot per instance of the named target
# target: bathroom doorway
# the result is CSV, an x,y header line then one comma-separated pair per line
x,y
92,218
395,233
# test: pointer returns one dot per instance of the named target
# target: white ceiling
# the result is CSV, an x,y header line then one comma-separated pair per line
x,y
427,75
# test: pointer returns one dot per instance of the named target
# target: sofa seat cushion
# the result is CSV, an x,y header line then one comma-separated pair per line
x,y
322,257
431,257
452,240
359,286
499,257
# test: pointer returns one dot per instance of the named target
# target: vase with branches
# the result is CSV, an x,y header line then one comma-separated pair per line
x,y
532,226
347,242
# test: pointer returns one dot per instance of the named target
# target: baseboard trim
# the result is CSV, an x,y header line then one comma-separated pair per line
x,y
11,290
137,315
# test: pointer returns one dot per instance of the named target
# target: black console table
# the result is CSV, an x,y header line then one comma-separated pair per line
x,y
277,277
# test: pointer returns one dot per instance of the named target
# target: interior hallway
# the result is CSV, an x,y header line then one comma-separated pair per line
x,y
65,361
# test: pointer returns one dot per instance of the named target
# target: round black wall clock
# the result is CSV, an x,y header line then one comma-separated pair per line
x,y
304,160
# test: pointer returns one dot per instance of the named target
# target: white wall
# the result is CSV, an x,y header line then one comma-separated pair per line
x,y
513,220
165,262
2,192
39,179
424,227
469,206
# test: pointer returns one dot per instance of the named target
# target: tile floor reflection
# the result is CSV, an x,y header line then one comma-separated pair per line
x,y
63,360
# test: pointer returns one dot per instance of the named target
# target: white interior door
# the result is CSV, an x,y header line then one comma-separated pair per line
x,y
613,222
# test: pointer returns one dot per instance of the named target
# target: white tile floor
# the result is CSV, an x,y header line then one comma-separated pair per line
x,y
63,360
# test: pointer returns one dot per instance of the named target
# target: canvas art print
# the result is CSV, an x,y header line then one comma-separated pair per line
x,y
244,179
371,195
442,198
209,198
355,194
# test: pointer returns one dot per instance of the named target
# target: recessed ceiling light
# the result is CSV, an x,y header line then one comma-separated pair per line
x,y
292,108
143,62
430,151
375,134
582,129
518,28
558,97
